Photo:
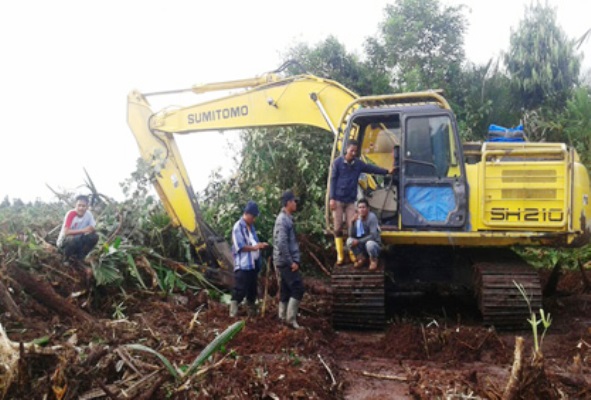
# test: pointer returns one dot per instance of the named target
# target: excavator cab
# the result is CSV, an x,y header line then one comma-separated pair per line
x,y
428,189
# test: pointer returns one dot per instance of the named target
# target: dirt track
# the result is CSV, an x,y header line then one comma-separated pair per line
x,y
420,355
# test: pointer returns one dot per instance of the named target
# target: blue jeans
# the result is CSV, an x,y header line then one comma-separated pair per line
x,y
369,248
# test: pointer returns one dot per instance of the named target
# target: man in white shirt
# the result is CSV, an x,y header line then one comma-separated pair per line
x,y
78,237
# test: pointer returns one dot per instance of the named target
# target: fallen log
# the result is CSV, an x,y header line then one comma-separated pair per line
x,y
7,302
573,380
44,294
319,263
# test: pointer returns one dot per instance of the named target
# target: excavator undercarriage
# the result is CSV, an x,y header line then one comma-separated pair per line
x,y
361,298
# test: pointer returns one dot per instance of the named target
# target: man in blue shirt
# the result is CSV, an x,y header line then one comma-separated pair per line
x,y
343,191
246,250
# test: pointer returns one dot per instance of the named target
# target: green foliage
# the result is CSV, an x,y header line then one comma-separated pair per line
x,y
574,123
273,160
169,367
331,60
545,319
215,345
542,60
119,311
169,280
482,97
423,42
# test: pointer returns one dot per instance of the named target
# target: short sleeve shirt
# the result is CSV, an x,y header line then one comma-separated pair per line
x,y
75,222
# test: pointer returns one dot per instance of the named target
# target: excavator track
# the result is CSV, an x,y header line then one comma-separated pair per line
x,y
500,301
358,298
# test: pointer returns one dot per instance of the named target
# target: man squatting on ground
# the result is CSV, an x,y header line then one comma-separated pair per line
x,y
364,237
77,236
286,257
346,170
247,260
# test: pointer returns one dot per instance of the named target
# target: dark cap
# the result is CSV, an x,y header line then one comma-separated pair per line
x,y
288,196
251,208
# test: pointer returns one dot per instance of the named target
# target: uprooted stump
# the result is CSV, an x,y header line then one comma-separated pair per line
x,y
528,380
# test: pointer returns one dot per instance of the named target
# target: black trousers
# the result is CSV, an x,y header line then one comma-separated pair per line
x,y
80,245
245,285
292,284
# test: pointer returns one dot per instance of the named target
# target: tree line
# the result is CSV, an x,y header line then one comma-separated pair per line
x,y
419,45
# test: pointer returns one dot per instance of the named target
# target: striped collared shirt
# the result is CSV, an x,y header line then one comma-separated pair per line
x,y
240,237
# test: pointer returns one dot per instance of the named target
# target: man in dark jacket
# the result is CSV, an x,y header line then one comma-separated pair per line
x,y
343,191
286,257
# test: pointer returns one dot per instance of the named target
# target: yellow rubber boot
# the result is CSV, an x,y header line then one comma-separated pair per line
x,y
340,246
352,256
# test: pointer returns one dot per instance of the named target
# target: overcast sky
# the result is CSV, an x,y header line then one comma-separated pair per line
x,y
67,67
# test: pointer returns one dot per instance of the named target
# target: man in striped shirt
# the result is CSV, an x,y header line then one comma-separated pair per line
x,y
247,258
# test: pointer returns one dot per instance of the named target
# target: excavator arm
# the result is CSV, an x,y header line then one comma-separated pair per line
x,y
267,101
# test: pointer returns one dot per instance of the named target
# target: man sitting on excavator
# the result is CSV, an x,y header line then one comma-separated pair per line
x,y
343,191
364,237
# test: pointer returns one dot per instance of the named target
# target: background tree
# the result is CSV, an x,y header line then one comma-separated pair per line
x,y
273,160
330,59
541,61
423,44
483,97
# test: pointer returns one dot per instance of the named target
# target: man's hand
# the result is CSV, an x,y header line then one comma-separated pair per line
x,y
391,170
294,267
261,245
332,204
354,243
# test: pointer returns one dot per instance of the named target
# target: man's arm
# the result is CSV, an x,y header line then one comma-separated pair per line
x,y
333,183
68,231
240,241
373,169
295,253
374,230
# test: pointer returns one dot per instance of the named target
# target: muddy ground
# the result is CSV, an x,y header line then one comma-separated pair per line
x,y
432,347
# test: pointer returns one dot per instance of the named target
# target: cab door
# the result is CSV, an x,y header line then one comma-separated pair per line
x,y
433,188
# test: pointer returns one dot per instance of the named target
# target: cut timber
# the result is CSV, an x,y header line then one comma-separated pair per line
x,y
7,302
44,294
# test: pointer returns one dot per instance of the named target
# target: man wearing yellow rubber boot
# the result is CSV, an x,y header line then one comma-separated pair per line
x,y
343,191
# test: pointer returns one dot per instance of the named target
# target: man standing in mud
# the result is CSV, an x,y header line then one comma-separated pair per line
x,y
78,237
246,249
343,191
286,257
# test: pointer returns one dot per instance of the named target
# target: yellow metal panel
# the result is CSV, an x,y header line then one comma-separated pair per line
x,y
160,151
524,187
474,203
476,239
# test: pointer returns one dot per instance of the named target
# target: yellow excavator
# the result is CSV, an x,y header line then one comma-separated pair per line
x,y
465,205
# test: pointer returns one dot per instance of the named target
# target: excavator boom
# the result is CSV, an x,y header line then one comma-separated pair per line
x,y
264,102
